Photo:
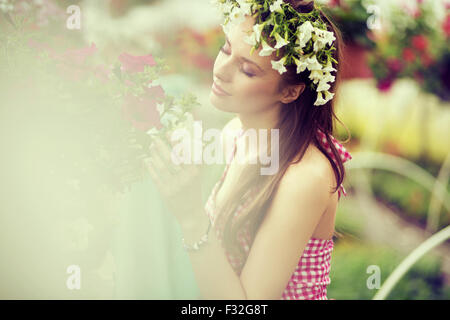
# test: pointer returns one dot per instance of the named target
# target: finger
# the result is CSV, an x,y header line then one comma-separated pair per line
x,y
164,149
168,156
161,167
164,182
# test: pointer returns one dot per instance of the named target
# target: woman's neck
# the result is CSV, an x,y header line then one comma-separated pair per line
x,y
251,142
262,120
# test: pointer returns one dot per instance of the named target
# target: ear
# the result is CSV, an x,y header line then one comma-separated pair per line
x,y
291,93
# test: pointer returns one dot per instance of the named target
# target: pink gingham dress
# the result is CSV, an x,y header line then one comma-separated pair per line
x,y
311,276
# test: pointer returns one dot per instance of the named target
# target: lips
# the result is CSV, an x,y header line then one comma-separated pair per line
x,y
220,88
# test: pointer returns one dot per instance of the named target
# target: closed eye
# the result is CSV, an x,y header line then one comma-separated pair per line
x,y
242,70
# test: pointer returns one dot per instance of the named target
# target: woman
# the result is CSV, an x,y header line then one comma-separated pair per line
x,y
273,233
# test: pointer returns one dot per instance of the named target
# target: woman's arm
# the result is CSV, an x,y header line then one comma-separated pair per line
x,y
291,219
215,276
289,224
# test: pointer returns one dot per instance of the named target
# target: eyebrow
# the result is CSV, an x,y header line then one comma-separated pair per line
x,y
243,58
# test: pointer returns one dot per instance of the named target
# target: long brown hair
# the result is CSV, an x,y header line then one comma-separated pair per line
x,y
298,123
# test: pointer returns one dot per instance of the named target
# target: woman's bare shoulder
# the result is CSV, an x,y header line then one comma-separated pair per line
x,y
313,164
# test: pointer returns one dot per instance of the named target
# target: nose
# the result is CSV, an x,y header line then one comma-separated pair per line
x,y
223,71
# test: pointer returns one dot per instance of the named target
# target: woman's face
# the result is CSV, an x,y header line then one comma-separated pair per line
x,y
252,87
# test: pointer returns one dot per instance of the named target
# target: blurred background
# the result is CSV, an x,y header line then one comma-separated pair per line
x,y
80,217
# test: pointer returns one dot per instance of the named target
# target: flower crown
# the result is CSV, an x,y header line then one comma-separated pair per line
x,y
308,42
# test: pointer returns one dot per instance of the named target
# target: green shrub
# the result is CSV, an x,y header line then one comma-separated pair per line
x,y
349,276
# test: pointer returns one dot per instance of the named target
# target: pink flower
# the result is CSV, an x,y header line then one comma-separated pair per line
x,y
198,37
334,3
101,72
446,26
78,56
420,42
426,59
419,77
40,46
395,65
202,61
142,111
134,64
385,84
408,55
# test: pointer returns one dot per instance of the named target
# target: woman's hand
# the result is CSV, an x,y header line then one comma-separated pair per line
x,y
180,185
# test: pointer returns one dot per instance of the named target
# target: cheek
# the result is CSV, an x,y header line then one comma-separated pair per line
x,y
258,88
258,92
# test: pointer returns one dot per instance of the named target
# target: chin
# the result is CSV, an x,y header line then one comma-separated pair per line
x,y
220,103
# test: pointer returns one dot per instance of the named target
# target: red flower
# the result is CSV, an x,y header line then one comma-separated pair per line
x,y
385,84
419,77
134,64
142,112
198,37
101,72
446,26
40,46
202,61
394,65
408,55
426,59
78,56
420,42
334,3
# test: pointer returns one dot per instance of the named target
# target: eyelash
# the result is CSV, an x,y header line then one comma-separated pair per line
x,y
247,74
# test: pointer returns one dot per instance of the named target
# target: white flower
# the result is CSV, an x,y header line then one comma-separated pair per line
x,y
276,6
168,119
319,101
280,41
251,39
301,64
152,132
266,49
313,64
323,85
258,28
322,100
177,110
237,16
245,6
328,95
321,38
316,76
160,108
329,67
226,7
327,77
279,65
305,32
299,51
